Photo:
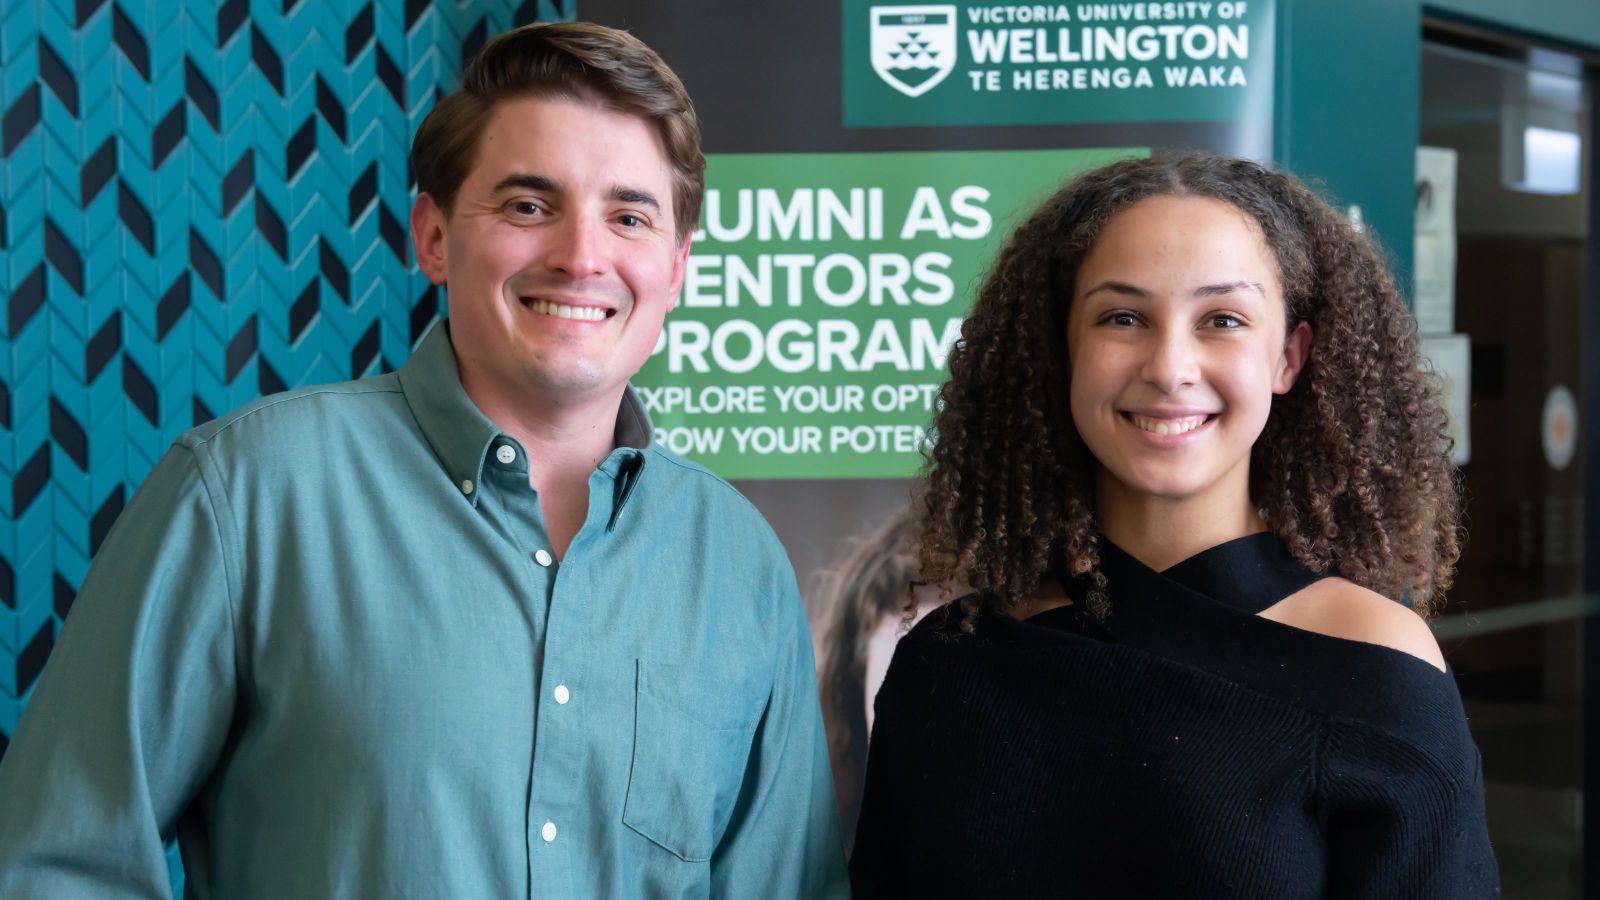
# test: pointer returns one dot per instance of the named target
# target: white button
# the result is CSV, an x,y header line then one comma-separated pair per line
x,y
506,454
466,486
548,832
562,694
544,558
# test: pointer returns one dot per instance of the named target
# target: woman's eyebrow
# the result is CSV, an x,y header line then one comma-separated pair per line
x,y
1118,287
1232,287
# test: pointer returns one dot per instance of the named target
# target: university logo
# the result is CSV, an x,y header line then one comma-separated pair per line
x,y
913,47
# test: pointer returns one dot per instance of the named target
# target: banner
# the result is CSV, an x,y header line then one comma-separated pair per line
x,y
823,294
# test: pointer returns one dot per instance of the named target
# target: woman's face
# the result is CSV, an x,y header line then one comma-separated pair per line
x,y
1176,338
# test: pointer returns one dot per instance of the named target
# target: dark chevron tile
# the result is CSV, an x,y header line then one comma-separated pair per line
x,y
25,301
230,16
97,171
392,232
168,132
64,593
84,10
333,269
139,391
423,314
389,74
98,353
270,225
31,660
69,435
414,11
5,406
19,120
358,34
267,379
364,352
203,262
238,182
474,41
527,13
8,584
288,7
172,305
132,43
54,73
300,147
104,518
199,414
30,480
304,311
136,218
363,192
266,59
332,110
62,256
241,349
201,93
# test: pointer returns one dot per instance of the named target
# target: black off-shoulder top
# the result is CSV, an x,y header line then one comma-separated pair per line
x,y
1182,747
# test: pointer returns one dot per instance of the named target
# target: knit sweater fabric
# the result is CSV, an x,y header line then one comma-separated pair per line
x,y
1182,747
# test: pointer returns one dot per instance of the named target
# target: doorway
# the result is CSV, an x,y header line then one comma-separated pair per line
x,y
1505,303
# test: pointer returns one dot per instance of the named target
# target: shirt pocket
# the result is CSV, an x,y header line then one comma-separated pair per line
x,y
687,766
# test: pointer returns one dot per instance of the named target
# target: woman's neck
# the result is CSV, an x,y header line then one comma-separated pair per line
x,y
1161,532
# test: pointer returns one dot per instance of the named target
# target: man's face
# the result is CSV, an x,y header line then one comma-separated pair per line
x,y
560,255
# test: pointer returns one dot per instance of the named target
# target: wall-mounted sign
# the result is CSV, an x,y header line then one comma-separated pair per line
x,y
985,63
1435,256
1451,358
1559,427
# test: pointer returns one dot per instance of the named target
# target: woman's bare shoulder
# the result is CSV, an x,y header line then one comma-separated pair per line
x,y
1343,609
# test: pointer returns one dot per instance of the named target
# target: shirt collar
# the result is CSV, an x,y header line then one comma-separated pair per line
x,y
460,434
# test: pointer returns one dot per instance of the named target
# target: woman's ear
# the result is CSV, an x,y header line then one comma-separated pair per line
x,y
1296,350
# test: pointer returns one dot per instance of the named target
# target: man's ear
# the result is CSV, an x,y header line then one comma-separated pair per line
x,y
680,266
428,223
1296,351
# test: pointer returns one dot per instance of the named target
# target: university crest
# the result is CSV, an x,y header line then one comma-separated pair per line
x,y
913,47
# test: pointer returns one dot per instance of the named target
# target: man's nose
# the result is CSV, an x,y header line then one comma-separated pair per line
x,y
576,247
1173,361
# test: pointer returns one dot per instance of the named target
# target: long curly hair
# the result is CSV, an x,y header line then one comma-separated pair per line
x,y
1352,470
868,584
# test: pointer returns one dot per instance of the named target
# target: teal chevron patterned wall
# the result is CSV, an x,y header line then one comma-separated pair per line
x,y
200,202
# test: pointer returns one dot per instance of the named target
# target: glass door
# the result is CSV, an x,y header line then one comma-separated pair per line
x,y
1503,299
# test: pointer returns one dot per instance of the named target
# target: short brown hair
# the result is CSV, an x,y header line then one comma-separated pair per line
x,y
568,60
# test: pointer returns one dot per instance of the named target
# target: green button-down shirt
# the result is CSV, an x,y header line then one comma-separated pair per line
x,y
327,647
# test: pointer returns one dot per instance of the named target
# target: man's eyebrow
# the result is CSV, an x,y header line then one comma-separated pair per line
x,y
1232,287
635,195
1119,287
527,183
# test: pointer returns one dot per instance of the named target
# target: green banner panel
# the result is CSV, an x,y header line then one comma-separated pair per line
x,y
977,63
823,295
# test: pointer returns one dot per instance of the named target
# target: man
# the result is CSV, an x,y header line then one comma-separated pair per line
x,y
463,630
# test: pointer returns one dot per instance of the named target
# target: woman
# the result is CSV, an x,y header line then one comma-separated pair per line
x,y
1185,458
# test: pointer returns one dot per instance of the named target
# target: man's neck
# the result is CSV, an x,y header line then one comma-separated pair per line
x,y
564,443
